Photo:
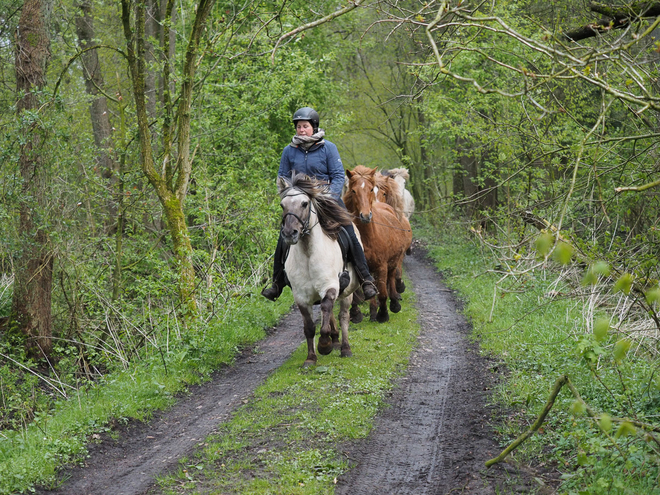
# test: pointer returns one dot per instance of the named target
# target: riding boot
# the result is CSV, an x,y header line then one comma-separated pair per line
x,y
279,276
360,263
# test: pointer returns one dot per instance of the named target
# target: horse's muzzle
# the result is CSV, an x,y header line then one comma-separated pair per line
x,y
366,218
290,237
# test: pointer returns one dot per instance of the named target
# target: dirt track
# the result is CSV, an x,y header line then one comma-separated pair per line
x,y
433,439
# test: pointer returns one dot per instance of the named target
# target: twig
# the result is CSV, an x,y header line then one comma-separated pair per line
x,y
300,29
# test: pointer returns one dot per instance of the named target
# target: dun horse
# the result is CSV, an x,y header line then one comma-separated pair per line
x,y
400,176
311,221
385,237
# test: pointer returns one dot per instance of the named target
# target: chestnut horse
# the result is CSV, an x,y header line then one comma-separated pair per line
x,y
311,220
385,236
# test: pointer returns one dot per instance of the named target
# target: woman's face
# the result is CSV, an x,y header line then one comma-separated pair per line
x,y
304,128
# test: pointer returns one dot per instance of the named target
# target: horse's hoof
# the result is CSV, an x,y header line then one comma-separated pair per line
x,y
400,286
346,353
383,317
309,363
325,345
356,317
336,346
395,306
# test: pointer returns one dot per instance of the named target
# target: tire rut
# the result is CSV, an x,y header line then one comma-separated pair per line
x,y
142,451
434,437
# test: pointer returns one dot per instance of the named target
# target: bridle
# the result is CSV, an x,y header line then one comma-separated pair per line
x,y
306,229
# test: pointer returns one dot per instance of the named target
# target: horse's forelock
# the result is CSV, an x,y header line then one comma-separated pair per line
x,y
362,172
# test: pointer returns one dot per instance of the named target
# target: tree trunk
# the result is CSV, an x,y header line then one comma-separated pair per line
x,y
469,168
94,84
31,304
171,182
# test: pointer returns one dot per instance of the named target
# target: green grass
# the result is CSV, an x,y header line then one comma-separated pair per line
x,y
538,338
286,438
31,455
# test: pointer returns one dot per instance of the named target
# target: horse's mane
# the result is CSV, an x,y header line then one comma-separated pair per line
x,y
391,193
398,172
330,213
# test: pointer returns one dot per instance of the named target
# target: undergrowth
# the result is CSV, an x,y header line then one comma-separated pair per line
x,y
56,432
542,326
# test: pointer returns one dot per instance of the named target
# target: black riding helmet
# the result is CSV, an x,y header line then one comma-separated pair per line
x,y
308,114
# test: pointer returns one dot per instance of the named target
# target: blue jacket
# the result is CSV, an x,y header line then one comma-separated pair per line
x,y
321,161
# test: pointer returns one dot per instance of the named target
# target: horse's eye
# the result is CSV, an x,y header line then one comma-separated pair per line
x,y
304,204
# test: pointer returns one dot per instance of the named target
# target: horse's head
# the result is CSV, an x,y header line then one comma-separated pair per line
x,y
361,192
296,212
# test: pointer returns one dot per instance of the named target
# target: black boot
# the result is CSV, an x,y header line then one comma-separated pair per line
x,y
369,288
279,277
272,292
275,290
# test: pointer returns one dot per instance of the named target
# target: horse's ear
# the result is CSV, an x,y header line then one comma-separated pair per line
x,y
349,174
282,184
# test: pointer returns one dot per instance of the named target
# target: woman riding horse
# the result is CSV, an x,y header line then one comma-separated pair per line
x,y
312,155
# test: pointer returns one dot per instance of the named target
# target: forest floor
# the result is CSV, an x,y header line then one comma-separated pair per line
x,y
432,438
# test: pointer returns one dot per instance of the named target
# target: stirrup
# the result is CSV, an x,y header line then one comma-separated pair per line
x,y
369,289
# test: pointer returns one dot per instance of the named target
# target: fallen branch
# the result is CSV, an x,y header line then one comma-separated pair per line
x,y
537,424
561,381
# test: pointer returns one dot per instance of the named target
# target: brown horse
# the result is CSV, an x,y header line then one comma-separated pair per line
x,y
385,237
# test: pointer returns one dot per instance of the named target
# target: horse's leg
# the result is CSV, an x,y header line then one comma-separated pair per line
x,y
381,281
356,314
343,323
334,333
395,297
400,286
373,309
310,329
328,302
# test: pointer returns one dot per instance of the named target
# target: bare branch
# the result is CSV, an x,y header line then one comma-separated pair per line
x,y
352,5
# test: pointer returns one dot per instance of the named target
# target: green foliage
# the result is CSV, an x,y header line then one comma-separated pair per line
x,y
601,328
58,433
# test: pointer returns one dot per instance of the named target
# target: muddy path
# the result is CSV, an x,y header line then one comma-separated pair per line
x,y
433,438
129,463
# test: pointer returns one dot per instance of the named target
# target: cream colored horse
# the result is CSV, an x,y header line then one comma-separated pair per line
x,y
401,175
311,221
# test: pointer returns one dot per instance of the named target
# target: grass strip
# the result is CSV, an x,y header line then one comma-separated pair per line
x,y
286,438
